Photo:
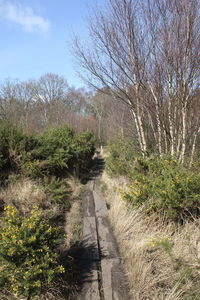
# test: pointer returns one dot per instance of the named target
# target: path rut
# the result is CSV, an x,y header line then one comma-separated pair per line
x,y
101,265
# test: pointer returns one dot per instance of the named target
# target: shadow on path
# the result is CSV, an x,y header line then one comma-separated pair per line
x,y
97,168
79,268
82,260
95,270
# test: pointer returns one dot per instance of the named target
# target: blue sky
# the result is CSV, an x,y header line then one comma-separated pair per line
x,y
35,37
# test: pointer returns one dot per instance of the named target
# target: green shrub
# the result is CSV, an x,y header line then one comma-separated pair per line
x,y
121,157
12,144
53,151
83,149
58,191
59,151
27,254
164,185
32,168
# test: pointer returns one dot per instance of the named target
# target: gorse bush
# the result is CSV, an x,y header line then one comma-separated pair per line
x,y
121,157
83,148
55,149
27,253
28,256
12,144
58,191
166,186
59,151
158,184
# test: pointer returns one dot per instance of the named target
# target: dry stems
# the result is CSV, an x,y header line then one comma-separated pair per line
x,y
73,218
24,193
161,259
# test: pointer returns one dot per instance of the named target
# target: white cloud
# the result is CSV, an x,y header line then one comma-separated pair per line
x,y
24,16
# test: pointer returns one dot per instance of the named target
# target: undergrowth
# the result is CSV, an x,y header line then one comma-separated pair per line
x,y
161,257
35,194
154,210
157,184
28,256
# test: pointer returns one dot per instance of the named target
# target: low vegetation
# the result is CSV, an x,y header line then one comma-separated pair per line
x,y
154,211
28,256
38,192
121,157
157,184
161,257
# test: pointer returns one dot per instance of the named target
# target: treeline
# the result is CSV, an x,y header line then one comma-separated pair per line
x,y
49,101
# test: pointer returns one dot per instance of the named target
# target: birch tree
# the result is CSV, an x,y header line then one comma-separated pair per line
x,y
175,27
118,57
146,53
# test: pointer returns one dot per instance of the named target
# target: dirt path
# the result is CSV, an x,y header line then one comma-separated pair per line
x,y
101,269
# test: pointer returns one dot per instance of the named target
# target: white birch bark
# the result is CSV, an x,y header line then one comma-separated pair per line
x,y
194,147
159,140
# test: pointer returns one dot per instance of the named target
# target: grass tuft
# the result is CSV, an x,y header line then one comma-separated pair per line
x,y
162,258
24,194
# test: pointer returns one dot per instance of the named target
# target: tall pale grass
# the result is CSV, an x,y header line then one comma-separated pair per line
x,y
154,273
73,218
24,193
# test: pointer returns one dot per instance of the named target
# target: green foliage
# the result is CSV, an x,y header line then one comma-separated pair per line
x,y
83,148
58,191
12,144
28,257
59,151
27,253
52,154
121,157
32,168
166,186
165,244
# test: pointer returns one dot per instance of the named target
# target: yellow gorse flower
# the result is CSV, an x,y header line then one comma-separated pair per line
x,y
32,239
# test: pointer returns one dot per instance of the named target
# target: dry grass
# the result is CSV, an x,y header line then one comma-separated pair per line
x,y
24,194
162,260
76,187
73,218
52,293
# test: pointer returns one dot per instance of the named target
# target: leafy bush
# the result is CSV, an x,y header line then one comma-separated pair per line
x,y
12,144
164,185
59,151
83,148
51,155
57,191
121,157
27,253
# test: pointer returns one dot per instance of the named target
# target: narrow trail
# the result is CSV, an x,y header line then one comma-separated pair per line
x,y
101,268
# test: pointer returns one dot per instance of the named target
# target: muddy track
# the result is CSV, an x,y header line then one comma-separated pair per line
x,y
101,267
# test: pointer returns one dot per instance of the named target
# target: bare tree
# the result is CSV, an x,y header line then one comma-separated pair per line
x,y
50,89
16,101
146,53
118,58
174,28
49,101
